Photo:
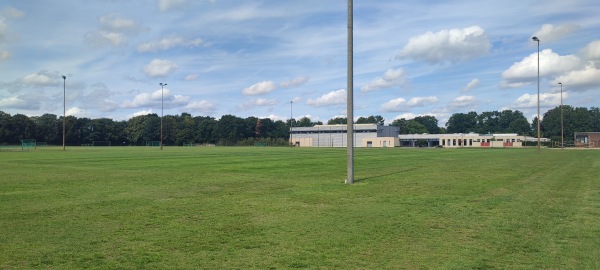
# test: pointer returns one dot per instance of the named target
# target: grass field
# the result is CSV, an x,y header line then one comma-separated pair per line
x,y
286,208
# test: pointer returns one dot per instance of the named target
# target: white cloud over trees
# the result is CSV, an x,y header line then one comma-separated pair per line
x,y
391,78
160,68
332,98
453,45
260,88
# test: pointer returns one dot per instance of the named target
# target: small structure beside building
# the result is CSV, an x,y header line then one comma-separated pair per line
x,y
587,139
365,135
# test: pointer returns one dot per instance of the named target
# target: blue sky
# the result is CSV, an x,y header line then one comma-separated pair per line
x,y
251,58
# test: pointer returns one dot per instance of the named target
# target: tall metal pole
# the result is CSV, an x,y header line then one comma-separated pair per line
x,y
562,126
162,97
291,124
538,94
64,109
350,101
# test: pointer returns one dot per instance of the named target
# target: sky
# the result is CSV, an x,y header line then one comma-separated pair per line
x,y
281,59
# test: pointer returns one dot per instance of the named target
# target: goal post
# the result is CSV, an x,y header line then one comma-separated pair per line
x,y
100,143
27,144
152,143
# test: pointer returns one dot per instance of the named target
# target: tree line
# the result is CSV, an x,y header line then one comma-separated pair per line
x,y
232,130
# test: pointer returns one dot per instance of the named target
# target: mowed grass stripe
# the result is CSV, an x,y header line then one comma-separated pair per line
x,y
279,208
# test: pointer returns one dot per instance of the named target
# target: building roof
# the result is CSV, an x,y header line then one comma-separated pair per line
x,y
357,127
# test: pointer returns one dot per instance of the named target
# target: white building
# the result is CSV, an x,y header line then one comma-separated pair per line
x,y
465,140
365,135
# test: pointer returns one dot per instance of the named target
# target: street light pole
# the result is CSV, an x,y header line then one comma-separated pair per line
x,y
350,97
162,97
562,125
291,123
64,109
538,93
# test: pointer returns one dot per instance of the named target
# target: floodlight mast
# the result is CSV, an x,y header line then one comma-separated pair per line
x,y
64,109
350,98
538,92
162,85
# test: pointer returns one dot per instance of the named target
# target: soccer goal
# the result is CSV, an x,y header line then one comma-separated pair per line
x,y
152,143
100,143
27,144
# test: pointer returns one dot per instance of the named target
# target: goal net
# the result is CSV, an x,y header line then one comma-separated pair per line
x,y
100,143
152,143
27,144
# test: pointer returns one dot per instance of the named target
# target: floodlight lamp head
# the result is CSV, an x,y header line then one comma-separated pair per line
x,y
535,39
560,83
64,77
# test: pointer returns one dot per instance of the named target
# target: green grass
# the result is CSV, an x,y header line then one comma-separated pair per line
x,y
286,208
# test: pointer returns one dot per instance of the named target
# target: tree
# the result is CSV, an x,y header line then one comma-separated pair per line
x,y
230,129
401,124
17,128
337,121
134,132
304,122
462,123
414,127
47,129
429,122
185,132
205,129
488,123
377,119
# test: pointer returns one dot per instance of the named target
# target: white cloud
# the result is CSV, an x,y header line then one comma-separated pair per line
x,y
391,78
140,113
580,80
395,105
402,105
409,116
551,64
202,106
12,13
14,102
591,51
41,78
113,38
115,23
549,32
332,98
527,101
474,83
177,101
463,102
168,43
266,102
113,31
76,111
165,5
4,55
146,99
191,77
406,116
156,99
295,82
452,45
261,102
3,28
160,68
260,88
